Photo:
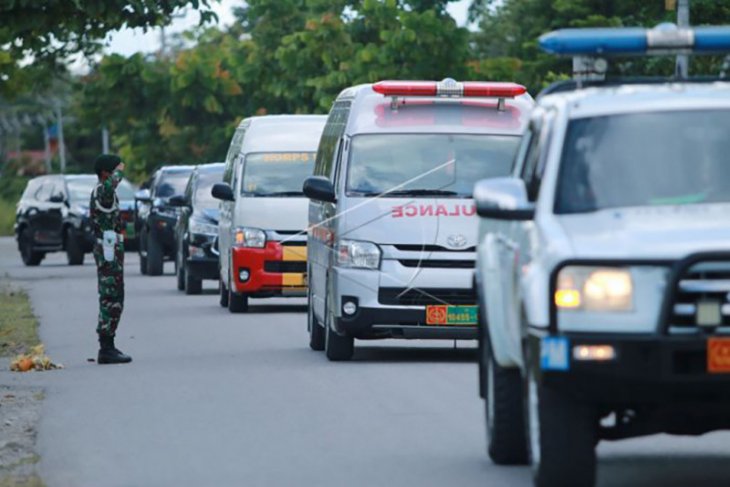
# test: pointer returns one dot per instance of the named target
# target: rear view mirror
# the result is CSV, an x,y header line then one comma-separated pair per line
x,y
503,199
142,195
178,200
319,188
222,191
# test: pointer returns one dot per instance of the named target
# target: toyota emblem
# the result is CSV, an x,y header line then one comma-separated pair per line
x,y
456,241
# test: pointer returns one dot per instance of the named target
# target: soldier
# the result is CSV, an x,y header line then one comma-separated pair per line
x,y
109,255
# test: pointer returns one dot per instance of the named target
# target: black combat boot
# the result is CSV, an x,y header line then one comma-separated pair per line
x,y
108,354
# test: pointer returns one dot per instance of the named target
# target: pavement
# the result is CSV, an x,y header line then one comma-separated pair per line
x,y
240,400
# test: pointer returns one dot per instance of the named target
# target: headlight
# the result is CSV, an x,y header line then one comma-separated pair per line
x,y
354,253
202,228
249,237
594,289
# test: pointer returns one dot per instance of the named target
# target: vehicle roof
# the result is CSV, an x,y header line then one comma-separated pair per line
x,y
185,168
283,133
210,167
371,112
633,98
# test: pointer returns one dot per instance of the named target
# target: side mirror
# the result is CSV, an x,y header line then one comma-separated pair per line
x,y
57,198
142,195
222,191
178,200
503,199
319,188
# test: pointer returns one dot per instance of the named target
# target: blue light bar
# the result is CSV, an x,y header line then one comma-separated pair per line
x,y
663,39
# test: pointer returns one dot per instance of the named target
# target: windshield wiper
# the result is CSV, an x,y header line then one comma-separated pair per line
x,y
421,192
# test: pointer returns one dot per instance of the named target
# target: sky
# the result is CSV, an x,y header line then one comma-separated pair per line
x,y
129,41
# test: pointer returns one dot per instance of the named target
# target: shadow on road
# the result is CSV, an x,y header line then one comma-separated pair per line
x,y
663,470
413,354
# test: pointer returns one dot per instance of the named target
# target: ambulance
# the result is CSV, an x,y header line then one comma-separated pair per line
x,y
392,223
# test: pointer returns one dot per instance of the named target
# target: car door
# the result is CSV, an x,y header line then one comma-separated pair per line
x,y
507,251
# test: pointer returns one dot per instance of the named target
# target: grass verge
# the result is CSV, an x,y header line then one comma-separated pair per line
x,y
18,324
7,217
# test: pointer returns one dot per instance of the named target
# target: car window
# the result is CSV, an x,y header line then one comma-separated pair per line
x,y
333,131
645,159
44,191
203,186
31,189
234,151
171,183
380,163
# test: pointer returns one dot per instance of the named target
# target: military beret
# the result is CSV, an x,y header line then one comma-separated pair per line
x,y
106,162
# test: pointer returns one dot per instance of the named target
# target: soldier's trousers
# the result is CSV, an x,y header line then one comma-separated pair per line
x,y
111,289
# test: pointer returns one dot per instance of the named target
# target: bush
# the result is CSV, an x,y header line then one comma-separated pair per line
x,y
7,217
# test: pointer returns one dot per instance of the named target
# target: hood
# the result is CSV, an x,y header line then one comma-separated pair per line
x,y
666,232
288,213
448,222
211,214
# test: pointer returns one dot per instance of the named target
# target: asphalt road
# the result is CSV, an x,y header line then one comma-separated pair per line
x,y
239,400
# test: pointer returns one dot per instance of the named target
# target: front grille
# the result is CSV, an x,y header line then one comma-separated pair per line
x,y
439,264
431,248
285,266
293,243
705,285
425,296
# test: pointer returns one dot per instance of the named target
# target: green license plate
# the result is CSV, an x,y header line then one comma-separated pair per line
x,y
129,230
451,315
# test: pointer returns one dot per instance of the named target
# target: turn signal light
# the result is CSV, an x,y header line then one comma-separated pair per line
x,y
594,353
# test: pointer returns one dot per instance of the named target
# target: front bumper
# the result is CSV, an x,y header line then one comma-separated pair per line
x,y
275,270
646,369
200,261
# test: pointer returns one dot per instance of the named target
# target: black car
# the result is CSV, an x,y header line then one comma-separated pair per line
x,y
197,229
156,217
53,215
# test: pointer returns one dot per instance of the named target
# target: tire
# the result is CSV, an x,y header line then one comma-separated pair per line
x,y
155,257
223,294
316,331
74,253
503,410
237,302
193,285
338,348
142,240
562,436
30,257
180,273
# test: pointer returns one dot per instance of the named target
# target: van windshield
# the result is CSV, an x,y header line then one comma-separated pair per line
x,y
426,164
276,173
645,159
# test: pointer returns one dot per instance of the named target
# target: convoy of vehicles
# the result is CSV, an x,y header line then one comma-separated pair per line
x,y
393,224
596,278
156,217
263,213
197,229
53,215
603,270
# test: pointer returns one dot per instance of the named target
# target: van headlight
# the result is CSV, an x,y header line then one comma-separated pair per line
x,y
249,237
358,254
594,289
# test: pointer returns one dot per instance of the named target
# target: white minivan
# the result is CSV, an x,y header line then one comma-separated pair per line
x,y
393,226
263,213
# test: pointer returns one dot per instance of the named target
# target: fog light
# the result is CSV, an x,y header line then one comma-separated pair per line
x,y
595,353
243,275
349,308
194,251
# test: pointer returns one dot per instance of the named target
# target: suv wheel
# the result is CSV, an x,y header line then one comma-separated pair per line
x,y
223,294
179,271
503,397
30,257
338,348
193,285
73,250
237,302
155,257
316,331
562,436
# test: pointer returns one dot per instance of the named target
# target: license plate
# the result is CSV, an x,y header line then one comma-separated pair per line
x,y
451,315
718,355
708,313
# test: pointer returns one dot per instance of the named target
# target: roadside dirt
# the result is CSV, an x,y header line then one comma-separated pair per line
x,y
20,409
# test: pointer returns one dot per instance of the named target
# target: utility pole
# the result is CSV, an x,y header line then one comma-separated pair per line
x,y
105,140
47,147
61,142
682,66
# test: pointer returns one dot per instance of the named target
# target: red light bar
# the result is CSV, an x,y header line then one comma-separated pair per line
x,y
449,87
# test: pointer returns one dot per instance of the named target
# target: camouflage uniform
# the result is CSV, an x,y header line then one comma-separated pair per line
x,y
104,212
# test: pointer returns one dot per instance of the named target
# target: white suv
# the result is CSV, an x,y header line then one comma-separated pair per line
x,y
604,275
